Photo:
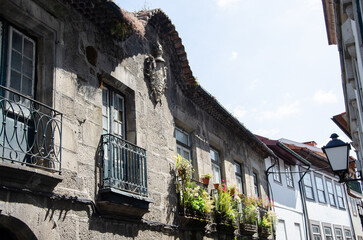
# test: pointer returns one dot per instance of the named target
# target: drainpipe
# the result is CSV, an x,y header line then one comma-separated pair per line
x,y
303,201
302,193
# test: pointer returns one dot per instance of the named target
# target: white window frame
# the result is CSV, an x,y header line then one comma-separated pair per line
x,y
239,177
276,171
316,234
183,147
309,187
319,190
349,235
108,113
289,177
354,206
216,165
9,68
340,196
338,236
328,236
331,194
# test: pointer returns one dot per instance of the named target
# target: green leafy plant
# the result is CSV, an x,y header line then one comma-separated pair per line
x,y
193,198
249,209
207,175
184,168
224,204
268,220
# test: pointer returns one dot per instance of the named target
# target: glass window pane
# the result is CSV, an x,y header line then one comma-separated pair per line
x,y
182,137
237,168
15,79
27,86
216,173
17,42
16,61
28,48
309,192
27,67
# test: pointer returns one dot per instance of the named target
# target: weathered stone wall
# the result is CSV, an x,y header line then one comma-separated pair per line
x,y
84,59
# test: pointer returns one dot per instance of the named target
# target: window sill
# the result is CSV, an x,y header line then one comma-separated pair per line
x,y
17,175
115,202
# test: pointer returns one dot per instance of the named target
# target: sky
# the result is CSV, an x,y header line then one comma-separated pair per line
x,y
267,62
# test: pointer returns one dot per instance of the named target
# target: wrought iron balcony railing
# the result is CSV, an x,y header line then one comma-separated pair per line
x,y
30,131
124,165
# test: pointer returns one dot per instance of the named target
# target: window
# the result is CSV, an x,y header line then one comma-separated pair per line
x,y
308,186
255,183
21,63
338,234
183,144
238,172
289,179
281,230
348,234
330,190
124,164
113,113
328,233
354,206
316,232
338,188
297,231
276,170
216,165
320,188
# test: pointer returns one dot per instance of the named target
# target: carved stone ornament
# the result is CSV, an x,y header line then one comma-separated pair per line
x,y
155,71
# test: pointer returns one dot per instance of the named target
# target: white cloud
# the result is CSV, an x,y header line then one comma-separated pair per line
x,y
234,55
253,84
281,112
270,133
224,3
322,97
239,112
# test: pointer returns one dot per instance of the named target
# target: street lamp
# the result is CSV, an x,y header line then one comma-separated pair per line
x,y
337,153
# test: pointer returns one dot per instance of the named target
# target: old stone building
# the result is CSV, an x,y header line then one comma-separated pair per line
x,y
95,105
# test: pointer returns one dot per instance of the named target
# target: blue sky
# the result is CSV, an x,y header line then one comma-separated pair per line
x,y
268,62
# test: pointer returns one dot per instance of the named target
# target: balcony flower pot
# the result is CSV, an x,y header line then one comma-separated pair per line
x,y
205,181
216,185
248,229
264,232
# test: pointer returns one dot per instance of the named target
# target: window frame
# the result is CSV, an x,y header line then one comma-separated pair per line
x,y
338,197
326,236
331,194
276,171
256,184
316,234
111,94
238,165
216,164
345,230
183,146
341,233
289,176
310,187
9,47
353,205
320,177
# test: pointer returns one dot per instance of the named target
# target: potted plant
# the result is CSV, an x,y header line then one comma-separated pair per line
x,y
266,223
194,201
225,213
249,215
205,178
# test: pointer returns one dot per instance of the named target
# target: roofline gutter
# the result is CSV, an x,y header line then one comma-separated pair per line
x,y
302,193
